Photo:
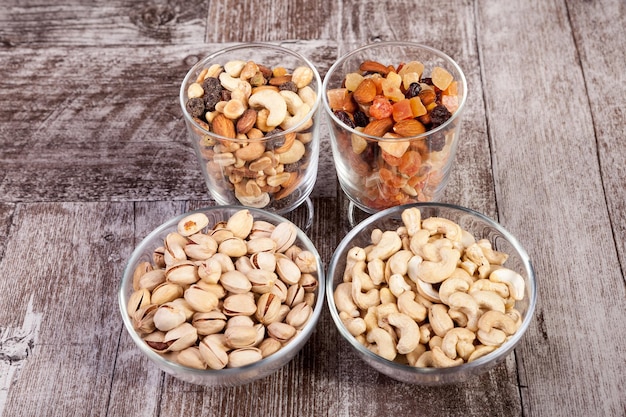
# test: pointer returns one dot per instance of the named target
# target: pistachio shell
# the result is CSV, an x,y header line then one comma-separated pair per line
x,y
299,315
182,272
143,319
285,235
287,270
174,248
239,304
261,228
137,300
268,308
192,224
181,337
244,356
191,358
140,270
214,353
150,280
306,261
263,260
240,336
233,247
281,331
235,282
168,316
240,223
200,299
209,323
166,292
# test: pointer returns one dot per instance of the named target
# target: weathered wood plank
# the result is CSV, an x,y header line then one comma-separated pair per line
x,y
108,23
61,268
550,195
599,31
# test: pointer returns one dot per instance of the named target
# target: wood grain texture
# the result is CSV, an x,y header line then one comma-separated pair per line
x,y
556,215
94,155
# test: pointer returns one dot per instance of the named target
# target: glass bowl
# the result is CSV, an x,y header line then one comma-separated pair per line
x,y
398,146
152,247
481,227
255,128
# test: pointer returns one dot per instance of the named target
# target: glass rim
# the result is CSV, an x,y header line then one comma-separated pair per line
x,y
254,45
374,45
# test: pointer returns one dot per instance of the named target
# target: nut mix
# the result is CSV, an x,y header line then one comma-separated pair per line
x,y
253,105
224,296
393,103
428,294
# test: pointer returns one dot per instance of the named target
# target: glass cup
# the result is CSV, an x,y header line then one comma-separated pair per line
x,y
394,141
256,131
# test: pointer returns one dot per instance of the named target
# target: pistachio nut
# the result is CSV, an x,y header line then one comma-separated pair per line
x,y
261,228
166,292
280,290
287,270
285,235
261,280
209,323
216,289
182,272
225,262
158,257
143,319
168,316
309,282
295,295
140,270
240,321
269,346
243,264
214,353
181,337
239,305
240,223
299,315
235,282
240,336
267,308
233,247
261,244
191,358
174,248
138,300
155,341
192,223
306,261
280,331
200,247
220,234
150,280
209,270
200,299
244,356
263,260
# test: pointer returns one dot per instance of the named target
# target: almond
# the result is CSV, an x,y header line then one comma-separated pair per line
x,y
246,121
373,66
378,127
280,80
409,127
365,92
223,126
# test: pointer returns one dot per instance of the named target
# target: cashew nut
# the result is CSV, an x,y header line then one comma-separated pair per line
x,y
354,255
358,272
450,286
343,299
363,300
228,81
499,288
355,325
382,343
290,121
466,304
494,327
398,263
475,254
435,272
412,219
410,307
409,332
480,351
437,359
386,296
427,291
292,100
439,225
308,95
458,342
439,319
512,279
376,270
493,256
389,244
489,300
398,285
272,101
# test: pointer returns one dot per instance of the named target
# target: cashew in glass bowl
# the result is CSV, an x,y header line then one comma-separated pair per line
x,y
428,294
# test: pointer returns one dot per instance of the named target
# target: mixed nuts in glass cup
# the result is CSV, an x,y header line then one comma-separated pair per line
x,y
252,115
394,111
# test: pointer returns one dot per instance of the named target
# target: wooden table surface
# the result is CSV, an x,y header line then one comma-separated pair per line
x,y
94,154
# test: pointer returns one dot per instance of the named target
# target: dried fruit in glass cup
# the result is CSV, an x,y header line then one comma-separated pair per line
x,y
394,112
251,113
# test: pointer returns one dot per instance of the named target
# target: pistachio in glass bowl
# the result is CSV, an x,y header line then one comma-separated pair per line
x,y
222,296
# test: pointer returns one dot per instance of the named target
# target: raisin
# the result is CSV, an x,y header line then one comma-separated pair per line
x,y
439,115
436,142
195,107
427,80
345,118
413,90
288,86
225,95
211,84
211,99
360,118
